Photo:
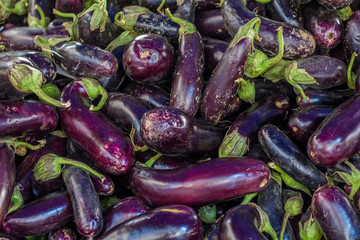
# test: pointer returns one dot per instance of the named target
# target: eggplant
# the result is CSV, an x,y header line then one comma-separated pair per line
x,y
285,11
351,39
46,7
324,97
214,50
63,233
163,162
210,23
197,184
298,43
171,222
154,4
186,10
212,233
69,6
335,4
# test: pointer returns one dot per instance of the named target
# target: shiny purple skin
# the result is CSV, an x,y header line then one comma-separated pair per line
x,y
281,150
62,234
286,11
335,213
328,72
85,201
26,117
222,87
186,10
324,97
212,233
84,60
256,7
352,39
303,123
201,183
40,216
164,162
7,178
175,222
335,4
298,43
126,112
210,23
69,6
149,58
101,140
214,50
172,132
188,78
241,223
337,138
22,38
149,93
324,24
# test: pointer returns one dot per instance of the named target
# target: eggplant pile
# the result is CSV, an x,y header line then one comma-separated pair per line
x,y
180,119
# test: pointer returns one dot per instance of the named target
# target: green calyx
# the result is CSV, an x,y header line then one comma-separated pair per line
x,y
46,43
161,6
349,74
132,139
108,202
265,225
345,13
20,8
16,200
70,26
185,26
99,17
207,214
27,79
276,176
151,161
233,145
249,30
353,180
246,91
123,39
127,21
59,133
50,167
309,228
276,73
35,22
247,198
93,90
293,207
20,146
51,90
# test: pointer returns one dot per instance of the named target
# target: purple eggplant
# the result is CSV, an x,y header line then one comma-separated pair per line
x,y
198,184
285,11
352,39
324,97
106,145
214,50
337,138
303,123
186,10
335,213
69,6
335,4
85,201
298,43
46,7
172,132
40,216
62,234
210,23
154,4
174,222
163,162
243,130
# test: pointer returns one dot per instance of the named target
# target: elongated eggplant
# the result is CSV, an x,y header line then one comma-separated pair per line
x,y
40,216
175,222
163,162
106,145
289,158
324,97
172,132
197,184
336,139
214,50
298,43
210,23
335,213
352,39
285,11
186,10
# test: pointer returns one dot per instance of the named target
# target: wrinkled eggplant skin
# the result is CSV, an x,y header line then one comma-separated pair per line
x,y
289,158
172,132
352,40
175,222
62,234
40,216
240,223
106,145
7,178
83,60
210,23
335,213
85,201
335,4
187,82
198,184
285,11
303,123
154,4
324,97
46,6
31,117
298,43
69,6
214,50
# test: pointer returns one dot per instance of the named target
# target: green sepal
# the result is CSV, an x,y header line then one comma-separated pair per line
x,y
16,200
276,73
349,74
99,17
353,180
309,229
136,148
20,8
233,145
263,1
247,198
123,39
59,133
293,207
185,26
40,237
277,177
93,90
70,26
246,90
127,21
108,202
265,225
34,21
159,9
151,161
345,13
207,213
20,146
249,30
4,14
288,180
51,90
46,43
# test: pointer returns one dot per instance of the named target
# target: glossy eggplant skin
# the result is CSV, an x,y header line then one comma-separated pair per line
x,y
69,6
214,50
241,223
172,132
7,178
285,11
186,10
40,216
298,43
335,213
212,233
164,162
324,97
303,123
84,60
336,139
105,144
85,201
210,23
188,78
174,222
352,40
281,150
198,184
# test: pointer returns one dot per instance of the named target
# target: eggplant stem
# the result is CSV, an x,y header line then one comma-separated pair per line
x,y
152,160
283,227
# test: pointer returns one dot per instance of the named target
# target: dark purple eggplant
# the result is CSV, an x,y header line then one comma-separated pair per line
x,y
214,50
265,88
40,216
172,132
224,81
115,6
69,6
186,10
63,233
337,138
106,145
298,43
335,4
285,11
210,23
335,213
352,39
149,93
149,58
309,228
212,233
324,97
199,184
154,4
85,201
256,7
243,130
163,162
46,7
303,123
